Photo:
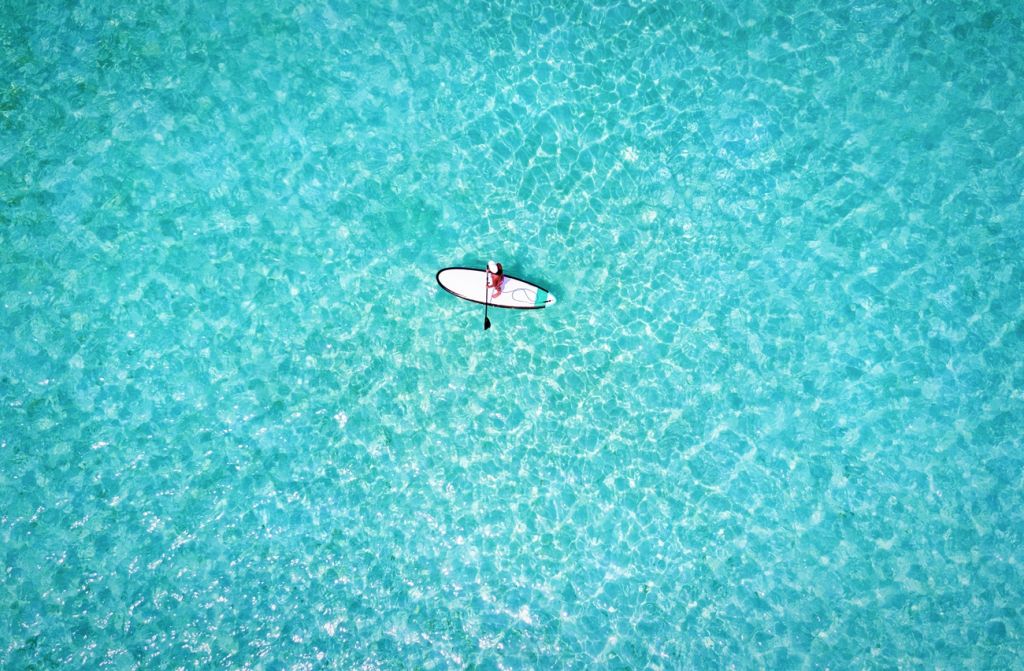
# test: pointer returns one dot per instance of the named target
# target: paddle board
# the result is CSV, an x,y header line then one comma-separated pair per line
x,y
468,284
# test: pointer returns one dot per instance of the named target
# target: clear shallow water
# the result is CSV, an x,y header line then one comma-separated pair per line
x,y
773,421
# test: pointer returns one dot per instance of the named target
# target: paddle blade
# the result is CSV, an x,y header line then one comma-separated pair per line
x,y
487,323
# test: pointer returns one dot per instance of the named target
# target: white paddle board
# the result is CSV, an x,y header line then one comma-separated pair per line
x,y
469,284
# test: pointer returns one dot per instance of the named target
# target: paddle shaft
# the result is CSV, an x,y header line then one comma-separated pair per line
x,y
487,302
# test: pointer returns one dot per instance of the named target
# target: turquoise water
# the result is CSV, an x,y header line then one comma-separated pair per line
x,y
774,420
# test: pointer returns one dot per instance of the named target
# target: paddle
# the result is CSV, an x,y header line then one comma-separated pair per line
x,y
487,292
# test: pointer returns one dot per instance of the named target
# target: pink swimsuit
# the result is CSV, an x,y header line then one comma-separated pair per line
x,y
496,282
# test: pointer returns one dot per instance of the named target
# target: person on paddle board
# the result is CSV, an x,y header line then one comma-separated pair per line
x,y
495,277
